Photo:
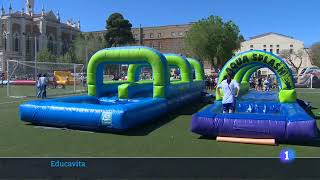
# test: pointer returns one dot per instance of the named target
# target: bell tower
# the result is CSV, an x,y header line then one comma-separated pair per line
x,y
29,7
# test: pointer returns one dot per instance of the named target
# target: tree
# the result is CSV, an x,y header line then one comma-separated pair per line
x,y
118,31
82,47
69,56
292,58
212,39
315,54
46,56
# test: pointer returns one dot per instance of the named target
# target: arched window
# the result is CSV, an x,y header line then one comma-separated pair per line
x,y
64,47
51,44
5,40
28,44
16,42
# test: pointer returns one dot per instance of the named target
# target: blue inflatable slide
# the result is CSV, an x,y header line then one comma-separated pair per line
x,y
120,105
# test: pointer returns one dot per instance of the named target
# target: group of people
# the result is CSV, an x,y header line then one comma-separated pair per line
x,y
262,84
175,74
211,82
41,85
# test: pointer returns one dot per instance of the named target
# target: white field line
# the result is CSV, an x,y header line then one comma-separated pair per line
x,y
11,102
316,92
24,100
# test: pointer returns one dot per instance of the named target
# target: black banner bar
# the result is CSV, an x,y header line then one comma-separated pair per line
x,y
158,168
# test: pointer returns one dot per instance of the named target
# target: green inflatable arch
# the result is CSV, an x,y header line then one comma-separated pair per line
x,y
196,65
248,73
185,66
132,55
244,64
182,63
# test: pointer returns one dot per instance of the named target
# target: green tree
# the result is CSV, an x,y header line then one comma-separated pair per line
x,y
213,40
69,56
46,56
315,54
118,31
82,47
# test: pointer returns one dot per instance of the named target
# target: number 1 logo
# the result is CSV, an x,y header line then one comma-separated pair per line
x,y
287,155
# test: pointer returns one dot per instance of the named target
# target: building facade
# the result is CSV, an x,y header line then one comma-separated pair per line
x,y
24,33
170,39
167,39
278,43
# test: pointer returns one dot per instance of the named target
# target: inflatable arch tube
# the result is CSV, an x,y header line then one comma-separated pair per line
x,y
287,90
131,55
197,66
134,70
172,60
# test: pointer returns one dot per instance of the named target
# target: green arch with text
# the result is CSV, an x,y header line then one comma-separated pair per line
x,y
244,64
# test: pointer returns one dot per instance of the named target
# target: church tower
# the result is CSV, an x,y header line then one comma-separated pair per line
x,y
29,7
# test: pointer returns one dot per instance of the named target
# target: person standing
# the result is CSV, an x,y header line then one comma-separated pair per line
x,y
2,79
228,87
266,84
43,86
38,86
257,84
207,82
270,83
260,85
252,82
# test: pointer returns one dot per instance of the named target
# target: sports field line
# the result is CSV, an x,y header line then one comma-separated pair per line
x,y
316,92
24,100
11,102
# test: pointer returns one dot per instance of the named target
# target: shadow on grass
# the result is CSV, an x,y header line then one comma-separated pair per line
x,y
207,137
312,143
313,115
148,127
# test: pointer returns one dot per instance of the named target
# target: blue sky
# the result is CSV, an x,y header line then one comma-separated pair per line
x,y
297,18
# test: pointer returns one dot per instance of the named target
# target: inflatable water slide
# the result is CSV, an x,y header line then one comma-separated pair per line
x,y
120,105
273,115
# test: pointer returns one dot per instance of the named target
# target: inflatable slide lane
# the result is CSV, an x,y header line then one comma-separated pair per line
x,y
120,105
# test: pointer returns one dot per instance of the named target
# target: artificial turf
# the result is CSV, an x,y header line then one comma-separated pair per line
x,y
169,136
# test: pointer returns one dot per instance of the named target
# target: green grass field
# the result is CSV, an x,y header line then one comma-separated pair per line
x,y
169,136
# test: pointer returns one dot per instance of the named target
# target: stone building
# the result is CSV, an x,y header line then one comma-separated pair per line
x,y
275,43
167,39
24,32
